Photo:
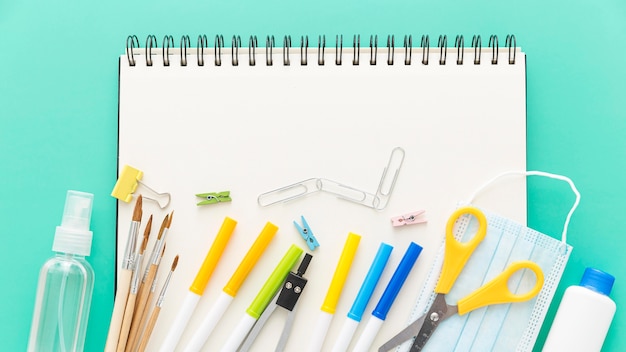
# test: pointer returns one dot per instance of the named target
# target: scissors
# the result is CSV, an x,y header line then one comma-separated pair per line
x,y
456,255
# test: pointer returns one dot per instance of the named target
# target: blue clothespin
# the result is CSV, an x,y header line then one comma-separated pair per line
x,y
307,234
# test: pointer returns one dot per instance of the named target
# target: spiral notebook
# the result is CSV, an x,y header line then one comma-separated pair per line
x,y
307,128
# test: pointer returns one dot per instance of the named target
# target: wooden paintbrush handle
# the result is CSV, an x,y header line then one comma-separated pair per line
x,y
139,309
121,296
146,335
144,315
128,318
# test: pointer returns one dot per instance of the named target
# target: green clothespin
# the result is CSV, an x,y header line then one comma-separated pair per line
x,y
214,197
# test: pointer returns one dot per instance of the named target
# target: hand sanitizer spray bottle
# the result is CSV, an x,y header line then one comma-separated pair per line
x,y
65,282
584,315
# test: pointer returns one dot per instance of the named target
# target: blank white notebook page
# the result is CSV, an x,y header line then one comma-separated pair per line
x,y
253,129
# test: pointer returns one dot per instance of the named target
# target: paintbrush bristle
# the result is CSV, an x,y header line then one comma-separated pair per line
x,y
163,225
146,232
170,220
175,263
144,244
138,211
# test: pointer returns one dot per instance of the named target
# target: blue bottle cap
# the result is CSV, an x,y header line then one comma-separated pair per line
x,y
598,281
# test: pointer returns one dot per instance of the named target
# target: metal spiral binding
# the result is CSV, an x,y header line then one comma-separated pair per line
x,y
184,44
443,49
219,44
373,49
132,44
356,56
168,42
321,45
408,46
304,50
338,49
151,42
478,47
425,49
390,49
202,43
235,50
269,47
460,49
252,50
511,43
493,44
286,47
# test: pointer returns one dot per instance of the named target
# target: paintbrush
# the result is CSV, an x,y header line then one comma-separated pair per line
x,y
124,276
137,327
142,298
132,296
157,246
157,309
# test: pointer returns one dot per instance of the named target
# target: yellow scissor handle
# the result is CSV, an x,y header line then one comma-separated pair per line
x,y
457,253
497,290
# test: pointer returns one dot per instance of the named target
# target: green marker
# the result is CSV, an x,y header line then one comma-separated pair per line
x,y
263,298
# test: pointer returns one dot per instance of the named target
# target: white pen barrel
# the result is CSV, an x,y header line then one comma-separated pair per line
x,y
319,332
239,334
201,335
345,335
180,322
368,335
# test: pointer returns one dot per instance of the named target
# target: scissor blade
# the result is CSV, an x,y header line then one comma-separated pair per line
x,y
439,311
406,334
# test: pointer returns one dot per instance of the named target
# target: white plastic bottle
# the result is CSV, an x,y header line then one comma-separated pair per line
x,y
584,316
65,282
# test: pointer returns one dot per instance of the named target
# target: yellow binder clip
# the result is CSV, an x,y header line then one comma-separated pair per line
x,y
127,184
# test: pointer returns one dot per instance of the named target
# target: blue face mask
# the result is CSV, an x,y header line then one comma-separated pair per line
x,y
503,327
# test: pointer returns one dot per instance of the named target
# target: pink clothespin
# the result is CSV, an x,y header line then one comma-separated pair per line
x,y
408,219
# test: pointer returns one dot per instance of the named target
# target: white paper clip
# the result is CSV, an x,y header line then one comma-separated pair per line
x,y
408,219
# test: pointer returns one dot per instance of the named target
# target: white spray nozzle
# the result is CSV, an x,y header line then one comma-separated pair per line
x,y
74,236
77,213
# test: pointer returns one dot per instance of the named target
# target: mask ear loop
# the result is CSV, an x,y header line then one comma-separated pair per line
x,y
543,174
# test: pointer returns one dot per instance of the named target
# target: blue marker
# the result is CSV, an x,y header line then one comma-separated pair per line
x,y
391,292
363,297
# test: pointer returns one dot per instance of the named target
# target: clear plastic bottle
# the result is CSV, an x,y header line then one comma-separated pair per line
x,y
65,282
584,315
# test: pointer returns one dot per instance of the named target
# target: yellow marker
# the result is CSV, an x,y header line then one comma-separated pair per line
x,y
249,261
199,284
213,257
341,273
230,290
334,291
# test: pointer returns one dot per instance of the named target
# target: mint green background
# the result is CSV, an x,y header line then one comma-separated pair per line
x,y
58,115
